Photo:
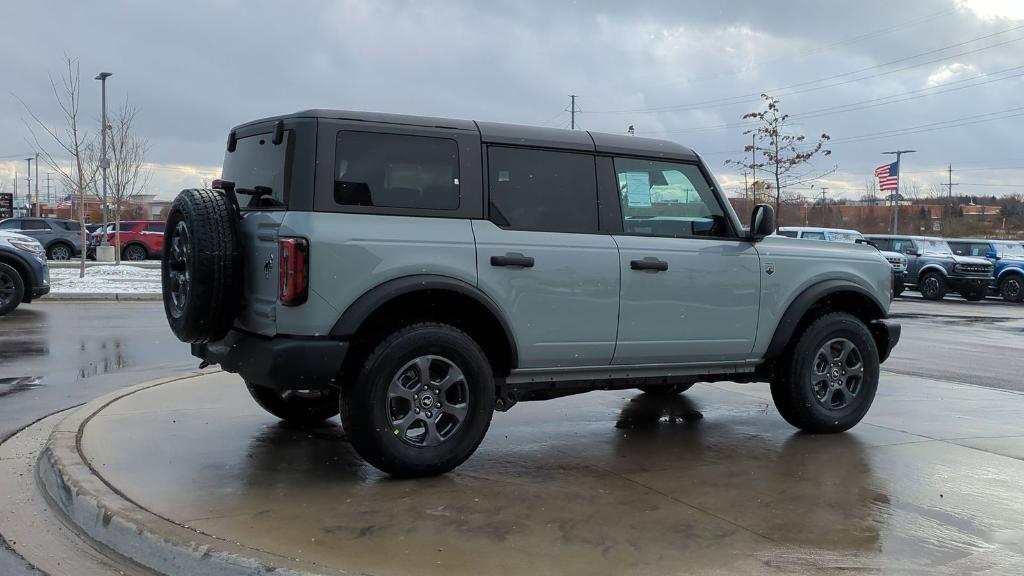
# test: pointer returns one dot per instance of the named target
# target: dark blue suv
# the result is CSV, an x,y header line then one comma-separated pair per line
x,y
1007,259
24,274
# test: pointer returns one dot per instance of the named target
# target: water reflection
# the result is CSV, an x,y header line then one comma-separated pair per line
x,y
100,357
809,491
10,386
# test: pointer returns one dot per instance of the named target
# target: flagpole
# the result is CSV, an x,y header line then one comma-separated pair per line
x,y
899,181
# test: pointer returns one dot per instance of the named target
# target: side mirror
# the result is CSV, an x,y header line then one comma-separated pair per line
x,y
912,252
762,222
991,254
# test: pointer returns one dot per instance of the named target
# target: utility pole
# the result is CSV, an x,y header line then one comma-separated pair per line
x,y
104,161
37,185
823,190
572,111
950,189
746,191
28,187
753,164
896,197
49,198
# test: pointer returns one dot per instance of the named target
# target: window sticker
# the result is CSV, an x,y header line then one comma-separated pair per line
x,y
638,189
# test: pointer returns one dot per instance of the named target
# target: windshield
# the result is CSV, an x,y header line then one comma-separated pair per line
x,y
934,246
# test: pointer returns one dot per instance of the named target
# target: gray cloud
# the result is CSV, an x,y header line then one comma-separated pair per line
x,y
197,68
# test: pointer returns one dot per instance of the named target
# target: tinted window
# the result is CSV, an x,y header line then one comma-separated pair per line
x,y
10,225
808,235
667,199
787,233
155,227
257,161
979,250
395,171
67,225
542,190
34,225
902,246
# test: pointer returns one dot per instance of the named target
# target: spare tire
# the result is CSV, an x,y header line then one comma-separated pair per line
x,y
201,266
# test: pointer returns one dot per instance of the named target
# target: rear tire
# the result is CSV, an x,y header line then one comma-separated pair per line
x,y
12,288
301,407
830,379
932,286
201,267
408,413
669,390
1011,288
59,251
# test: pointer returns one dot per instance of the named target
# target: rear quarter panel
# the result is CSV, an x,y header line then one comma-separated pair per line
x,y
799,264
351,253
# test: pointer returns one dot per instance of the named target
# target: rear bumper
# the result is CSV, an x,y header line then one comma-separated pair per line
x,y
281,362
887,335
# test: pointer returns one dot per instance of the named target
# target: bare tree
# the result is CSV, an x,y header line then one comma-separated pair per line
x,y
786,156
69,138
127,174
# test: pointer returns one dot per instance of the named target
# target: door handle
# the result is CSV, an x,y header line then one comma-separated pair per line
x,y
649,264
512,259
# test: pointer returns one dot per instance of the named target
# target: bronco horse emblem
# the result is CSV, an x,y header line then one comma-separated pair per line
x,y
268,267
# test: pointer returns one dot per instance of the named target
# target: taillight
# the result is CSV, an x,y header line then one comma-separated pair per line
x,y
294,267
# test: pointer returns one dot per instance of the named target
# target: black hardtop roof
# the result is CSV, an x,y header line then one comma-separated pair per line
x,y
514,134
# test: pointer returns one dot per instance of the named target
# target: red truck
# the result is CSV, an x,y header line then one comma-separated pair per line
x,y
140,239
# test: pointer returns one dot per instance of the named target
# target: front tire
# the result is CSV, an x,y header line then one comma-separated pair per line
x,y
301,407
422,402
830,379
12,288
932,286
1011,288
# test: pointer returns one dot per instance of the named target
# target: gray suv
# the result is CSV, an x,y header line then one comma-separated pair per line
x,y
933,269
62,239
418,274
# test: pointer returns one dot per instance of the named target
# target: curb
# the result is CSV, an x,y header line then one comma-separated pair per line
x,y
100,512
102,296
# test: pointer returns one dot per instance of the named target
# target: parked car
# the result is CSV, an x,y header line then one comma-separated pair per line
x,y
24,275
426,272
1007,258
933,269
140,239
896,260
62,239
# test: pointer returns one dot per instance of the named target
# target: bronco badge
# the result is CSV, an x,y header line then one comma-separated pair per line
x,y
769,268
268,267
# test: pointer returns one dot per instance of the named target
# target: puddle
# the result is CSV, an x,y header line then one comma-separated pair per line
x,y
10,386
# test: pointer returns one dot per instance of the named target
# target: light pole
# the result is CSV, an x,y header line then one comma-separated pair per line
x,y
28,186
899,180
104,161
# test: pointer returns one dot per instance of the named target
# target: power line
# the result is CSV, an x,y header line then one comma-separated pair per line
x,y
933,126
797,87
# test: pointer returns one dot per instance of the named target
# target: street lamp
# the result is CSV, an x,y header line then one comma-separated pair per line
x,y
104,161
899,180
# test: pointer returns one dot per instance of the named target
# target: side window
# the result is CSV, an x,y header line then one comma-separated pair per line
x,y
34,225
958,248
667,199
809,235
882,243
901,246
154,227
13,224
788,233
979,250
542,190
395,171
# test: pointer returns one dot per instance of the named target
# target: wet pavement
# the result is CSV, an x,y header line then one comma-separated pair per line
x,y
54,355
713,481
653,486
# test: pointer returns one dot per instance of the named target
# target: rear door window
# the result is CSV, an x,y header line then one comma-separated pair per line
x,y
154,227
808,235
542,190
257,161
34,225
396,171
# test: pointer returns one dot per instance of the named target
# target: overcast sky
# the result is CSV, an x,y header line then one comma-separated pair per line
x,y
683,70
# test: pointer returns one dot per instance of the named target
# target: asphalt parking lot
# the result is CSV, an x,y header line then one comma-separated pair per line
x,y
610,482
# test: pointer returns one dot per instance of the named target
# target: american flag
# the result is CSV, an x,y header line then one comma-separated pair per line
x,y
888,176
65,202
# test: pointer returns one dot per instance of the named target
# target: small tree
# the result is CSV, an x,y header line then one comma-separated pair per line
x,y
70,138
785,156
127,176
